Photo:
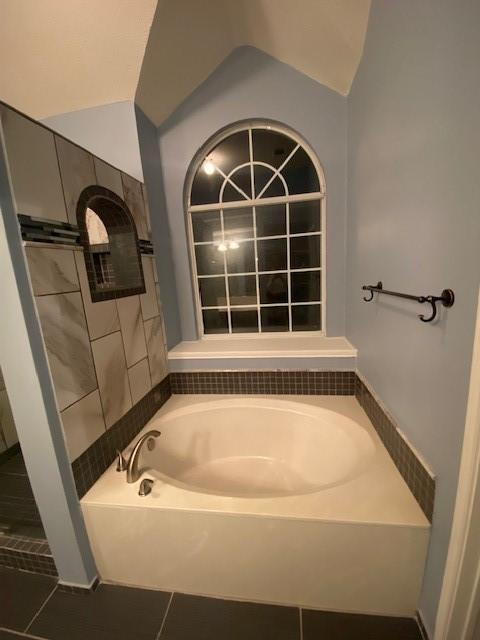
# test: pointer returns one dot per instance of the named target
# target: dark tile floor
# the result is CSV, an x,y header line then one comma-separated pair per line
x,y
31,606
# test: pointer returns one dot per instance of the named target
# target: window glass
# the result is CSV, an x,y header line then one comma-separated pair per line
x,y
258,254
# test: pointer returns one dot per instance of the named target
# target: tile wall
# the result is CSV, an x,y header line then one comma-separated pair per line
x,y
105,357
8,433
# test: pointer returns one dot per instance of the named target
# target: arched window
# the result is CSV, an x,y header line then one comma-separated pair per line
x,y
110,245
256,223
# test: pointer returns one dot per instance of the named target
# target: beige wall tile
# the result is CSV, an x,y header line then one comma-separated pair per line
x,y
34,167
7,424
77,172
112,376
83,424
157,355
109,177
140,382
52,270
131,325
134,201
65,333
102,317
149,298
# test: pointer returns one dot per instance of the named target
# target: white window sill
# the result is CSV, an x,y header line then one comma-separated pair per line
x,y
304,346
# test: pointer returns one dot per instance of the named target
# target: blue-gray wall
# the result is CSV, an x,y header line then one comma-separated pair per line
x,y
414,222
152,170
109,131
251,84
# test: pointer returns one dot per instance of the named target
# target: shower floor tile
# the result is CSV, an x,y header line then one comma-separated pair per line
x,y
322,625
195,617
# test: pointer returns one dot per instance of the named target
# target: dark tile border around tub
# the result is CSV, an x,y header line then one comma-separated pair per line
x,y
99,456
417,477
18,552
340,383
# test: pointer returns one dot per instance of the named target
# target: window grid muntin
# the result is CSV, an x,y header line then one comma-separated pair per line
x,y
252,203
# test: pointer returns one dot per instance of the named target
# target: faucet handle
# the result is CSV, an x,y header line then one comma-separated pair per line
x,y
145,487
121,462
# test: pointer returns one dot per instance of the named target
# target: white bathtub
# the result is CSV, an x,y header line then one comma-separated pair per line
x,y
292,500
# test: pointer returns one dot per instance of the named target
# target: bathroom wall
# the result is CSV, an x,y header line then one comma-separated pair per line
x,y
8,433
109,131
106,356
251,84
413,194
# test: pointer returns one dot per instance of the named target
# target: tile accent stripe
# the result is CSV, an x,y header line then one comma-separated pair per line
x,y
88,467
56,232
265,382
416,475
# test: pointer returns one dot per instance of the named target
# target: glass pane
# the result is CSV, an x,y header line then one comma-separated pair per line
x,y
306,318
305,216
261,176
276,188
274,318
244,320
305,286
231,152
241,257
209,259
243,181
206,226
212,292
271,147
271,220
230,194
242,290
304,252
206,188
300,174
215,320
238,224
273,288
272,254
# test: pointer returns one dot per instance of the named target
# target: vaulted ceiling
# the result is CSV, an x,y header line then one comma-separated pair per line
x,y
65,55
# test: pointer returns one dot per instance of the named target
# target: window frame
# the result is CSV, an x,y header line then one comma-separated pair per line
x,y
319,196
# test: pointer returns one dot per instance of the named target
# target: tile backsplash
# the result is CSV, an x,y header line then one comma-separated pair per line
x,y
105,357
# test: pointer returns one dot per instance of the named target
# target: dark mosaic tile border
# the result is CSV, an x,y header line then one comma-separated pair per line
x,y
417,477
340,383
18,552
100,455
68,588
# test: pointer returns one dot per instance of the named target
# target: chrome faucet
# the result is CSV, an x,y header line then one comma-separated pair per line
x,y
133,472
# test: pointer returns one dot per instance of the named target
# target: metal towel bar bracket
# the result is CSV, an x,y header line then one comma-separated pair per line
x,y
447,298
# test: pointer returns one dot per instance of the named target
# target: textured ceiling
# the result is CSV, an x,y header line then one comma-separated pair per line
x,y
189,38
65,55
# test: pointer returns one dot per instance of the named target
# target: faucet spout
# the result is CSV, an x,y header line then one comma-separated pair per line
x,y
133,472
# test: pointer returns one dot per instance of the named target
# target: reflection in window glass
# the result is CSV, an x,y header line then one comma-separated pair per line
x,y
306,317
305,217
274,318
207,226
212,292
256,209
215,320
244,320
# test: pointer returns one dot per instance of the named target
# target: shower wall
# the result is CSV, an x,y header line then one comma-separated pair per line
x,y
106,358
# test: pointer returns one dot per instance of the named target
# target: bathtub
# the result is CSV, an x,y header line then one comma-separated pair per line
x,y
288,500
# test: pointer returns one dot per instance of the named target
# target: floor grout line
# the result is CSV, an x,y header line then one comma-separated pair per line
x,y
21,634
301,622
41,609
157,637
